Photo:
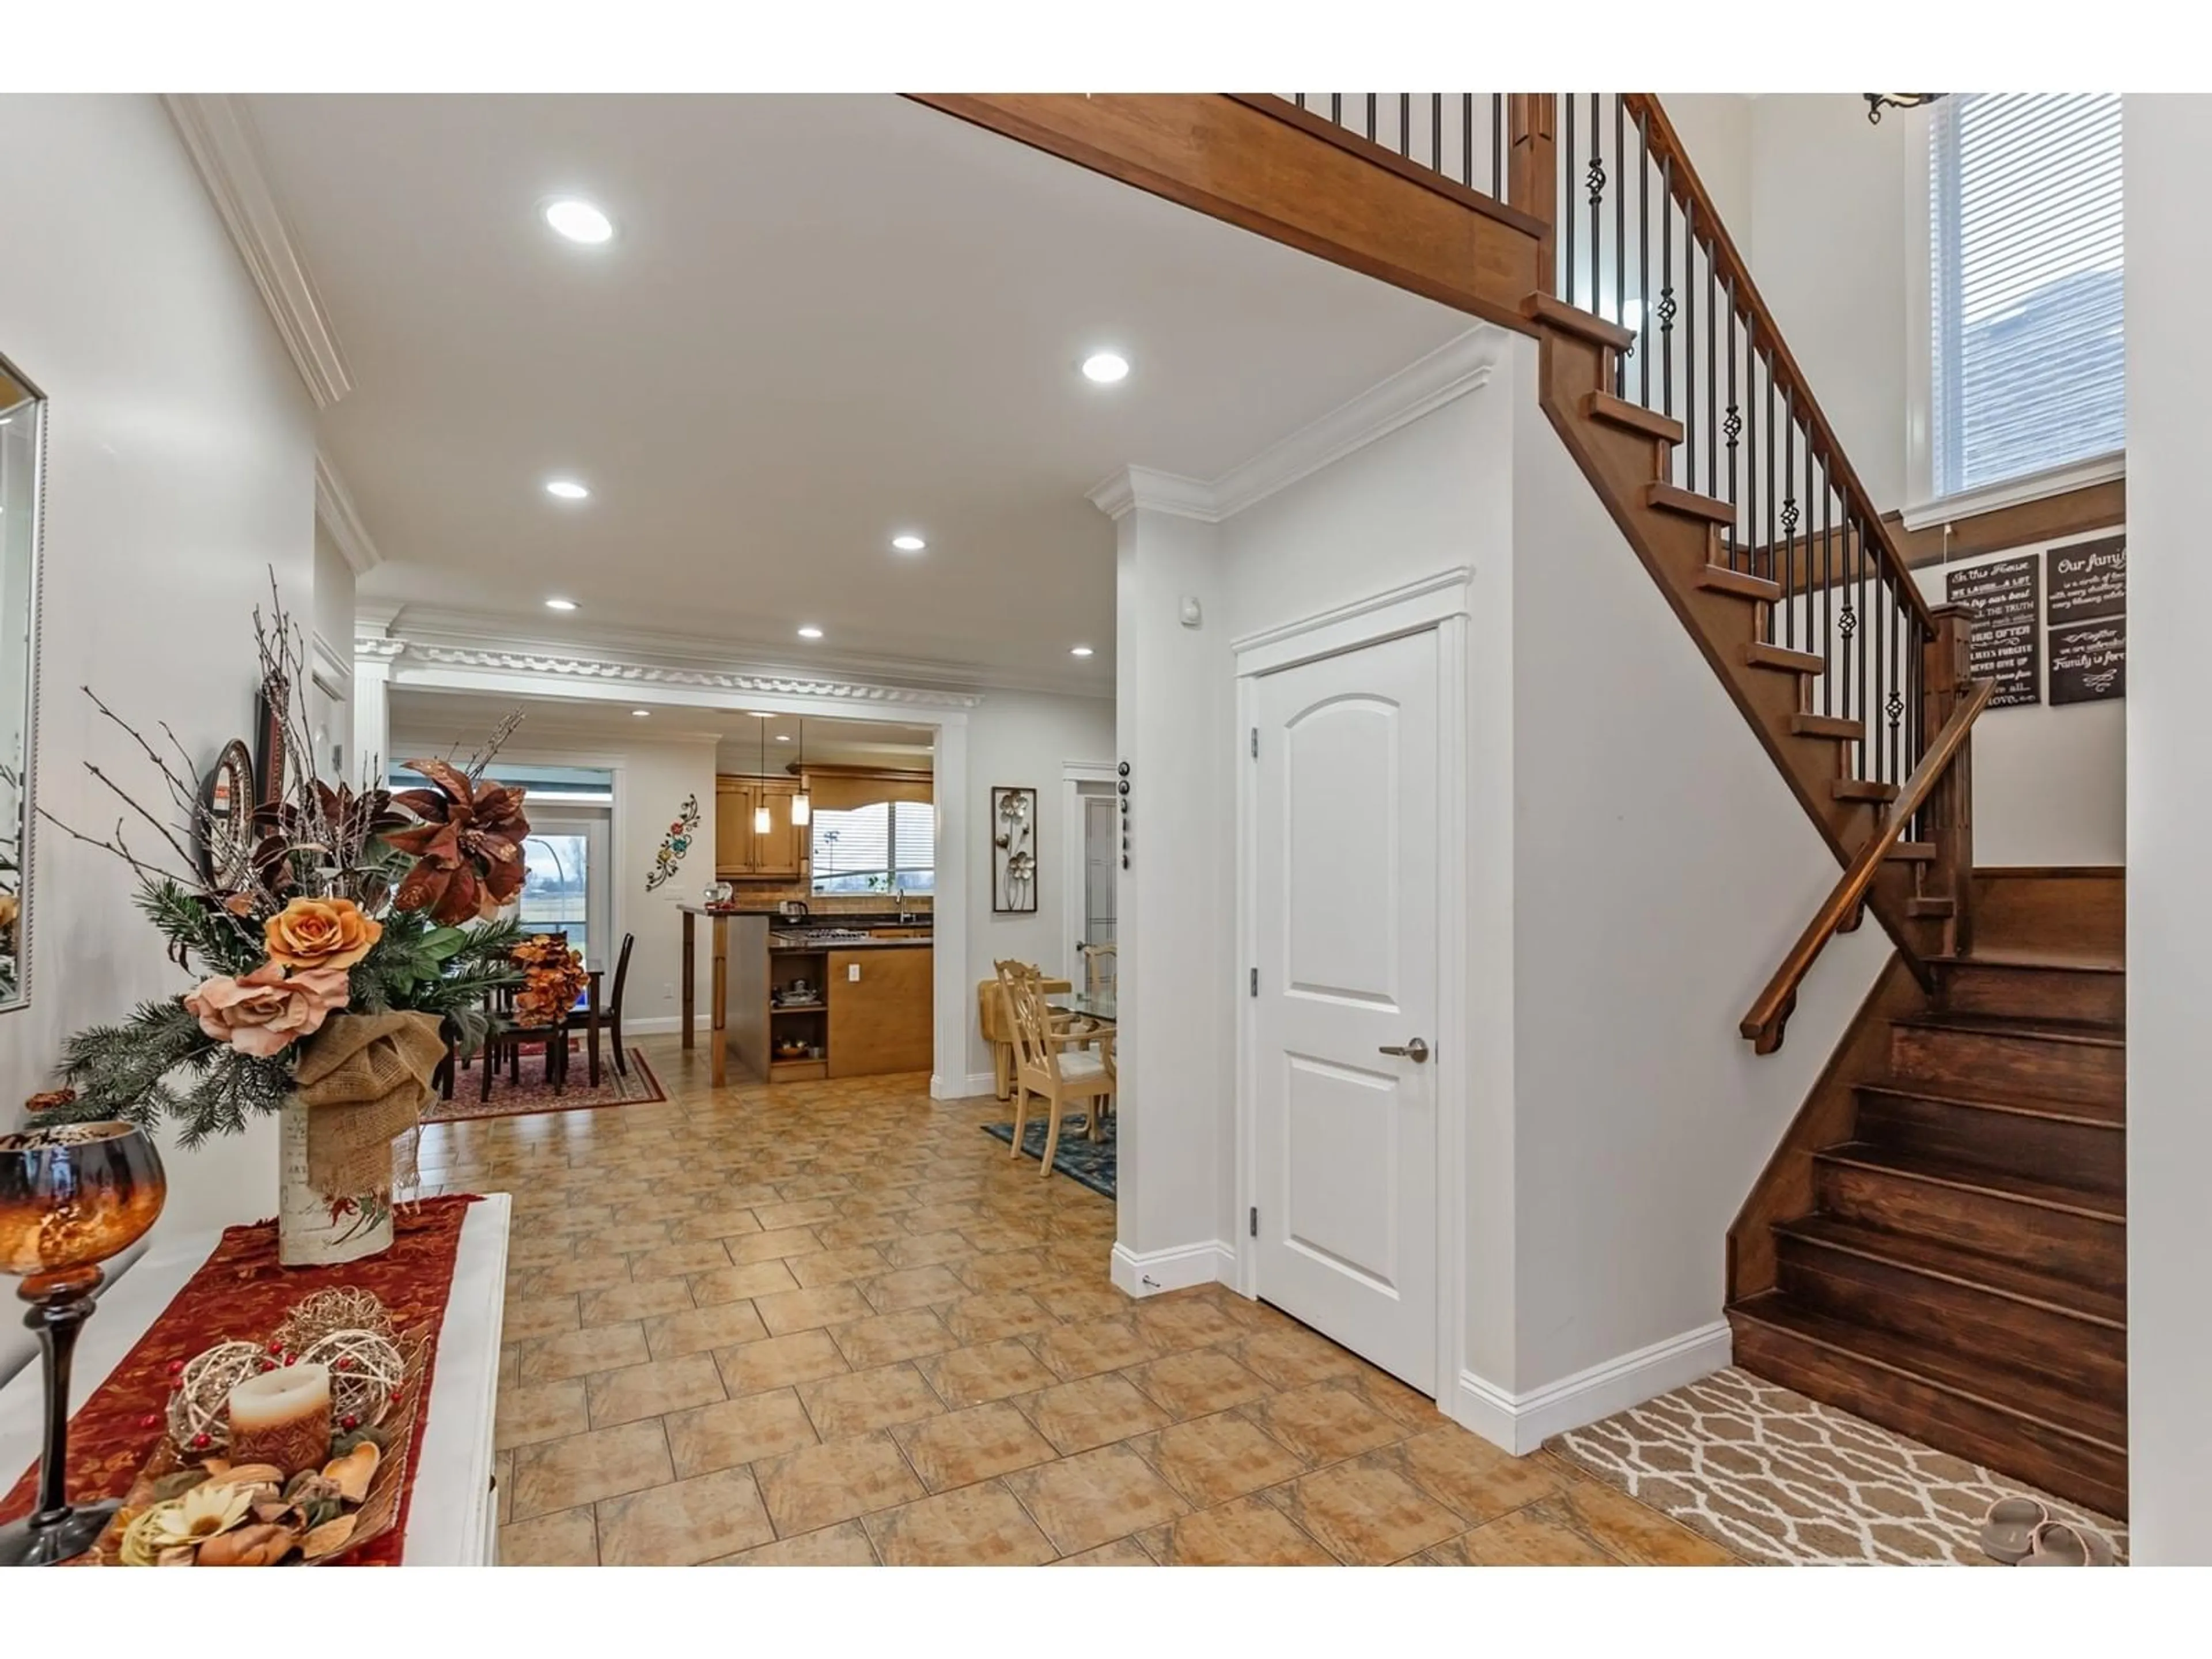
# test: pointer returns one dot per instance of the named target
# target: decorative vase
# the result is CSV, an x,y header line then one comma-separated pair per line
x,y
314,1228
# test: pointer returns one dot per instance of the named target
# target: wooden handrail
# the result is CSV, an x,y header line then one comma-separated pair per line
x,y
1768,1015
1666,145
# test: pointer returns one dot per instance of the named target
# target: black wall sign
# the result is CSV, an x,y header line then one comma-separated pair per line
x,y
2008,642
2089,661
2085,580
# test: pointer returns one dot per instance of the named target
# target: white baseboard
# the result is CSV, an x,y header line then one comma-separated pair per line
x,y
960,1088
1149,1272
1522,1423
664,1025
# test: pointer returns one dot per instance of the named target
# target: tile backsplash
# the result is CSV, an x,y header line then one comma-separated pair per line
x,y
827,904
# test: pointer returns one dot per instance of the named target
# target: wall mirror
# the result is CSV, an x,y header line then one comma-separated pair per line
x,y
23,429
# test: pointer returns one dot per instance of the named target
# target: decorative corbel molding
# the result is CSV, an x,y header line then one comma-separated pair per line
x,y
218,135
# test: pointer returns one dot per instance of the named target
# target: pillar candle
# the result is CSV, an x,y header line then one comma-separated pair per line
x,y
283,1417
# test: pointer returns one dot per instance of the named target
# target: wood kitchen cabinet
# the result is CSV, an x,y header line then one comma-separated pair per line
x,y
742,853
880,1021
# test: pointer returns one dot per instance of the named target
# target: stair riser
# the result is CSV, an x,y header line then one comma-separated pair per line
x,y
1984,1063
2036,992
2081,1248
2088,1156
2087,1356
2082,1473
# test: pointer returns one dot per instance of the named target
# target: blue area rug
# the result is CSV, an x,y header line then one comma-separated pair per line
x,y
1077,1157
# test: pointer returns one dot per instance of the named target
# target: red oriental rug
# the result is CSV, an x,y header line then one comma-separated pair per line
x,y
240,1291
532,1093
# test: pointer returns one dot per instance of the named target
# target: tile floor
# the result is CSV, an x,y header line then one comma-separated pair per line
x,y
834,1324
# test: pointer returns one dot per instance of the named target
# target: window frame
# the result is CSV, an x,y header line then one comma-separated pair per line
x,y
1924,508
814,876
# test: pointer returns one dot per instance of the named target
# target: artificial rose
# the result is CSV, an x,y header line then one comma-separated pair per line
x,y
321,934
262,1012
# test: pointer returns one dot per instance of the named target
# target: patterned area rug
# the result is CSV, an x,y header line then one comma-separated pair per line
x,y
1077,1157
534,1094
1781,1480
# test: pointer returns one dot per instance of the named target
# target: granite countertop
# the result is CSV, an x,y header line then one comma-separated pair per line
x,y
781,942
820,918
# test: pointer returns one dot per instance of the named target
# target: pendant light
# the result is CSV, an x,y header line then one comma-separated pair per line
x,y
802,803
762,823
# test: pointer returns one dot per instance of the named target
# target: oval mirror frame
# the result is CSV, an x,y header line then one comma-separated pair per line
x,y
226,819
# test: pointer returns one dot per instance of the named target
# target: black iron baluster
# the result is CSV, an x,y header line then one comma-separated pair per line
x,y
1689,347
1712,377
1666,284
1644,260
1436,129
1596,180
1790,512
1496,144
1620,243
1371,118
1567,213
1827,521
1731,428
1406,124
1301,100
1336,108
1467,145
1770,499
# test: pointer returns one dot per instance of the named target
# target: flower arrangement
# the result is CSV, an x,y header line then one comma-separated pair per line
x,y
553,977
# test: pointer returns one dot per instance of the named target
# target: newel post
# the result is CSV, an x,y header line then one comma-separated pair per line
x,y
1532,183
1948,817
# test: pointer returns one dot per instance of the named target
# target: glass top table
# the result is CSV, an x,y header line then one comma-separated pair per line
x,y
1093,1005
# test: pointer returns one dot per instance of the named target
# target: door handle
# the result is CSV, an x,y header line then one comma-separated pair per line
x,y
1416,1051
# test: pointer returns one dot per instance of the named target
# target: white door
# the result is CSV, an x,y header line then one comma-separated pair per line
x,y
1343,856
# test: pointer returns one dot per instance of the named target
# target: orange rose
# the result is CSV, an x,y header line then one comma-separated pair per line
x,y
312,932
261,1013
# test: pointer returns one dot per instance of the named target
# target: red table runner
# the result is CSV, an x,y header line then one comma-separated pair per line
x,y
240,1291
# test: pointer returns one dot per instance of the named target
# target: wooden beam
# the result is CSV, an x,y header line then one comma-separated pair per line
x,y
1232,159
2074,511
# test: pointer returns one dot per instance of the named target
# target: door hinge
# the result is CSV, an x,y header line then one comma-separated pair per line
x,y
1255,1221
1256,981
1255,743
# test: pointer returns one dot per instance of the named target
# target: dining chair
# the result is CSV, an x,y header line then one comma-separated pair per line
x,y
610,1012
1044,1065
1100,966
996,1021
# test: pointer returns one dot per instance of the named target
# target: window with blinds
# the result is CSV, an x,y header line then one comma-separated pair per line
x,y
2026,275
875,849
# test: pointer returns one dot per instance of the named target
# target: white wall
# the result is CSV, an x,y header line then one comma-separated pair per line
x,y
2169,803
180,471
1024,739
2051,781
330,641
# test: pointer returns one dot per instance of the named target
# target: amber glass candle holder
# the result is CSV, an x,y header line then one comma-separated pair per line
x,y
70,1197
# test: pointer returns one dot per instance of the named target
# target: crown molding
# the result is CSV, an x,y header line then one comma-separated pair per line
x,y
1452,370
218,135
336,513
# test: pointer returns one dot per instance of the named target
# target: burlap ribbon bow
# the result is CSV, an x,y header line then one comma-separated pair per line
x,y
366,1078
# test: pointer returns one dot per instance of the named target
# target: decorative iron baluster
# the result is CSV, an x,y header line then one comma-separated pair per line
x,y
1732,425
1371,118
1567,213
1496,144
1406,124
1644,260
1689,347
1665,306
1596,180
1712,377
1790,510
1770,502
1621,247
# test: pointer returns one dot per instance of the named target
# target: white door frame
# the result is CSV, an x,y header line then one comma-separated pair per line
x,y
1441,602
1074,774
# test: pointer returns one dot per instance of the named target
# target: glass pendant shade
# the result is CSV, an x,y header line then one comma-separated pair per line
x,y
802,809
762,823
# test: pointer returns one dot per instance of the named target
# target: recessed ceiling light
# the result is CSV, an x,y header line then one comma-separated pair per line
x,y
1079,651
810,633
1105,367
579,221
908,544
783,737
760,713
566,489
641,714
560,604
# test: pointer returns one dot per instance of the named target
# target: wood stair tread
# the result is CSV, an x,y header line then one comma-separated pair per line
x,y
2092,1033
2000,1183
2013,1392
1929,907
2056,1111
2056,958
1827,726
1922,1253
1760,654
1914,852
1549,308
1719,579
1862,789
1673,498
1619,412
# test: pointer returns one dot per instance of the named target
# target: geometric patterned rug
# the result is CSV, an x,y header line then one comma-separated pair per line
x,y
1781,1478
1089,1162
534,1094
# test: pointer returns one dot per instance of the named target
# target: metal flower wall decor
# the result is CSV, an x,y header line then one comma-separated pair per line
x,y
1014,850
674,845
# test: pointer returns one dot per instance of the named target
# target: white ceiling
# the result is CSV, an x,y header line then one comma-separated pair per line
x,y
432,722
823,321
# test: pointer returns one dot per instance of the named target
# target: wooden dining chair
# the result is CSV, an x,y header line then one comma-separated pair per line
x,y
1100,965
1049,1061
610,1010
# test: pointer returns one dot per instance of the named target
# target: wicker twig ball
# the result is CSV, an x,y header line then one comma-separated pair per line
x,y
366,1371
317,1317
199,1402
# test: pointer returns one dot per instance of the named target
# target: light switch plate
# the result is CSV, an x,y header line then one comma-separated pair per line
x,y
853,972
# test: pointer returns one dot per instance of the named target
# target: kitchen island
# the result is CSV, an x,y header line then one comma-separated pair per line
x,y
796,1002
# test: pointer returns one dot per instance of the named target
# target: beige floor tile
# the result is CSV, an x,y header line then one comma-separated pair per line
x,y
675,1261
1242,1532
963,1447
565,1539
596,1348
822,1484
619,1304
1096,1345
837,1266
1175,1326
1535,1537
1472,1478
742,1283
1082,1300
560,1474
771,1246
1364,1514
927,1249
778,1362
1085,1501
804,1213
734,1432
1094,1411
1294,1357
1011,1270
1210,1459
845,1544
848,1232
913,1287
623,1240
702,1330
1324,1423
528,1318
989,1370
1193,1383
1122,1553
539,1411
978,1319
979,1526
843,1406
684,1523
805,1310
1641,1536
721,1222
653,1389
890,1337
586,1274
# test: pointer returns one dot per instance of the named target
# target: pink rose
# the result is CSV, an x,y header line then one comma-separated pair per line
x,y
261,1013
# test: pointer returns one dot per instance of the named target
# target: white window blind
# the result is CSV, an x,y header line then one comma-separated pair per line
x,y
2025,237
883,841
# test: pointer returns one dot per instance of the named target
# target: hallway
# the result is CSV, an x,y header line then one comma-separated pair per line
x,y
836,1324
